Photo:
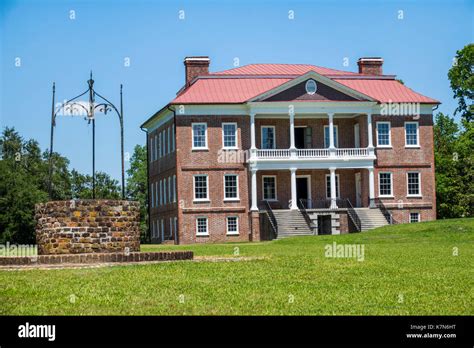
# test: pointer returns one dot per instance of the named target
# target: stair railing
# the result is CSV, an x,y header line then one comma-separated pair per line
x,y
271,218
385,211
353,215
303,204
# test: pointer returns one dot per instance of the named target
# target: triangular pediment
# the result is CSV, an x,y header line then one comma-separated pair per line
x,y
327,90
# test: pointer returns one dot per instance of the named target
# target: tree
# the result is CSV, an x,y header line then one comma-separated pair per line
x,y
20,170
461,76
454,151
137,185
105,186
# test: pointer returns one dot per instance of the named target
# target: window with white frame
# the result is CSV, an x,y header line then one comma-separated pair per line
x,y
155,149
231,187
202,226
162,229
383,134
268,137
269,188
200,187
414,217
328,186
411,134
229,135
326,136
199,135
232,225
413,184
156,194
385,184
153,232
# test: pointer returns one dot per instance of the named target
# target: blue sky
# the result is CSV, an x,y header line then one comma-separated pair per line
x,y
53,47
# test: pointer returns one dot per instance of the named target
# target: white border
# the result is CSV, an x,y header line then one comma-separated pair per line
x,y
417,134
207,189
201,234
227,225
238,193
391,184
235,134
389,134
205,136
419,184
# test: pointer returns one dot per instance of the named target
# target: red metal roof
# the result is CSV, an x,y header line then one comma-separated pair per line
x,y
386,91
238,90
241,84
281,69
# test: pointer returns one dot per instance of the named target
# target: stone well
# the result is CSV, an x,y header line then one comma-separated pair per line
x,y
87,226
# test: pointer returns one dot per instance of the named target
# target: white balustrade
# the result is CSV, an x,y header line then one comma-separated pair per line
x,y
312,153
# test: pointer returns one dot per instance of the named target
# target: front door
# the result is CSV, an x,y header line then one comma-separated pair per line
x,y
358,190
300,137
303,190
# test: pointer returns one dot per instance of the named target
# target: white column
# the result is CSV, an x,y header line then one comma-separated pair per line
x,y
371,188
331,133
253,147
254,206
333,188
292,131
369,131
294,204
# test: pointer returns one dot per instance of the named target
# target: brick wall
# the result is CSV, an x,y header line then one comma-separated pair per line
x,y
87,226
162,168
191,162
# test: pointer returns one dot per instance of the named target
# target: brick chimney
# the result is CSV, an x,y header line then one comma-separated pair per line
x,y
370,65
196,66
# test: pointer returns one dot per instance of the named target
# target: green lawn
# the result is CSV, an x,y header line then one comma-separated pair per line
x,y
407,269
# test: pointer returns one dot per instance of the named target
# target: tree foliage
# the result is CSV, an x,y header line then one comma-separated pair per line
x,y
461,76
454,161
137,185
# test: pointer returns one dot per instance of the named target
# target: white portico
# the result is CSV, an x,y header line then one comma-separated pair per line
x,y
267,156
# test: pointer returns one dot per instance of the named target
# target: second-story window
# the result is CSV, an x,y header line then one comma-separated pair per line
x,y
326,137
229,135
199,135
411,134
200,188
268,137
383,134
231,187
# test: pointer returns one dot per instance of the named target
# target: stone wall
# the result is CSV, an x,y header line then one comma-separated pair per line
x,y
87,226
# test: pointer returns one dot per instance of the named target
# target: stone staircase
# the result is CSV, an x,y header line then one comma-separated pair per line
x,y
291,223
370,218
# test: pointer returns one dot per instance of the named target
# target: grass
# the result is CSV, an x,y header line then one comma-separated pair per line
x,y
407,270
